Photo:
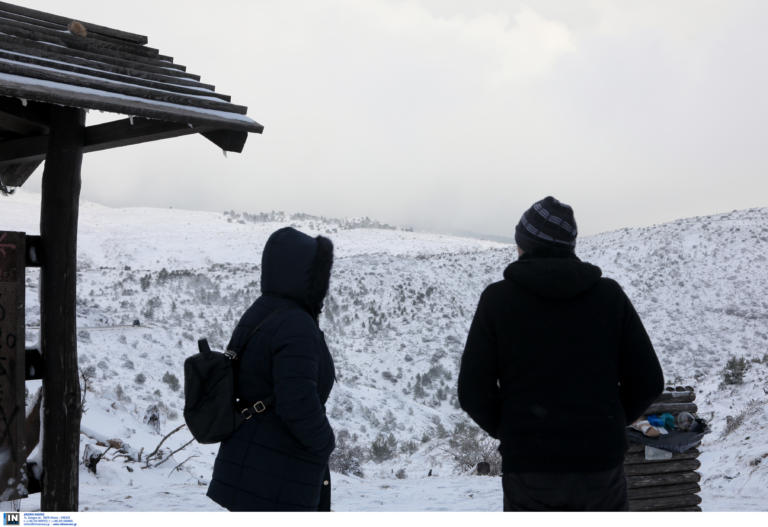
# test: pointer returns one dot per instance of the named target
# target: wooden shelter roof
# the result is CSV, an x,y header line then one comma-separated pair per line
x,y
48,59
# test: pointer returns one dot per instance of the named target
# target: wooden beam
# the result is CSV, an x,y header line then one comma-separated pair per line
x,y
124,132
64,37
227,140
120,88
127,132
23,150
167,83
63,94
16,175
662,504
663,491
654,480
49,17
103,49
673,408
58,337
12,433
23,117
642,469
637,458
93,60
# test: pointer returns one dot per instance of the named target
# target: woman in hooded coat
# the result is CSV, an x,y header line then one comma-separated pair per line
x,y
278,458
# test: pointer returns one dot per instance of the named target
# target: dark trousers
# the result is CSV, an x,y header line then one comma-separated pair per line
x,y
569,491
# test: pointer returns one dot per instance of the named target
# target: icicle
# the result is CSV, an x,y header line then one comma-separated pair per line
x,y
23,102
224,152
130,119
190,125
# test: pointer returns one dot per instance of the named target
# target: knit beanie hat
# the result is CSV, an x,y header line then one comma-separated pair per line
x,y
548,226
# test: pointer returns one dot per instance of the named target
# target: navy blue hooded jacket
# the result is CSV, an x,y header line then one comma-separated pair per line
x,y
278,460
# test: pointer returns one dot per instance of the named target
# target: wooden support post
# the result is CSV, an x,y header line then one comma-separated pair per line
x,y
13,460
58,339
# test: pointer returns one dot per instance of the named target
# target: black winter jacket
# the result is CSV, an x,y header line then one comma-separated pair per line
x,y
278,460
556,363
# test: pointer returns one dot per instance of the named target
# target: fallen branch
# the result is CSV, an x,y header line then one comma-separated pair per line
x,y
118,444
154,452
177,467
172,453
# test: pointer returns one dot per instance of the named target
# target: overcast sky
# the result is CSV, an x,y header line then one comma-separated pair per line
x,y
453,115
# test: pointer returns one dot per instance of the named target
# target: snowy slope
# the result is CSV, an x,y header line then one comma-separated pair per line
x,y
396,319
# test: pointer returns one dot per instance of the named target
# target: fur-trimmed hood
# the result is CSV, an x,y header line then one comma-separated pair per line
x,y
297,266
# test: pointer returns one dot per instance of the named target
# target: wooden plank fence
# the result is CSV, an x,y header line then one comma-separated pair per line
x,y
670,484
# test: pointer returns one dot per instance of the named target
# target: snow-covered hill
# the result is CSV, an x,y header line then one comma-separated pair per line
x,y
396,319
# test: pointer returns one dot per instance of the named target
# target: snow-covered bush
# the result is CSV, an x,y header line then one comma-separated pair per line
x,y
383,447
734,370
469,445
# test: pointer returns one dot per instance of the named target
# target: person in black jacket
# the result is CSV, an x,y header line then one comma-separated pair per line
x,y
556,364
278,459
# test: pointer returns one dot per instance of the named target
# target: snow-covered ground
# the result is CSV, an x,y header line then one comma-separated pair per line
x,y
396,318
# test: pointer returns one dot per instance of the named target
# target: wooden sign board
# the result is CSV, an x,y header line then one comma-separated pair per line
x,y
13,475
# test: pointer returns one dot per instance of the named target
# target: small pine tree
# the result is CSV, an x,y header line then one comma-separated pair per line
x,y
734,370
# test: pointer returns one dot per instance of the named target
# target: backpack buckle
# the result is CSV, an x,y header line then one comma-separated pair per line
x,y
247,413
259,407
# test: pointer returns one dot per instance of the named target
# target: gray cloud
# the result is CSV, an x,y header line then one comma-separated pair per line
x,y
454,115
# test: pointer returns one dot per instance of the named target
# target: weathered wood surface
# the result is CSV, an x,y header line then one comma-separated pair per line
x,y
663,491
125,88
661,468
155,82
676,397
113,102
634,458
14,175
62,37
12,412
672,408
124,132
107,62
58,337
655,480
662,504
48,17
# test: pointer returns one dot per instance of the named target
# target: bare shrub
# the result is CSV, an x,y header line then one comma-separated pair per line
x,y
732,423
469,445
347,457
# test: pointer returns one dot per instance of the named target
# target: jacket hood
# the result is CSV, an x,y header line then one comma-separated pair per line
x,y
297,266
558,278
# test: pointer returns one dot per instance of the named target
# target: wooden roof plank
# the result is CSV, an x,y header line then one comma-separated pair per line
x,y
154,66
64,28
67,39
82,70
67,95
86,81
46,51
49,17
